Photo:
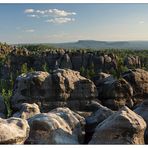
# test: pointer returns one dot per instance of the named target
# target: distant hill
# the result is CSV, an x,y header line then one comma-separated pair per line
x,y
92,44
103,44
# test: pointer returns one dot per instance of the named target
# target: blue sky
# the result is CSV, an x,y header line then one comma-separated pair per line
x,y
48,23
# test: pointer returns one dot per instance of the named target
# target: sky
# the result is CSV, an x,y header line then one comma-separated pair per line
x,y
56,23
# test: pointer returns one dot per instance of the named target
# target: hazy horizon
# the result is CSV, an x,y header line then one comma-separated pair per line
x,y
62,23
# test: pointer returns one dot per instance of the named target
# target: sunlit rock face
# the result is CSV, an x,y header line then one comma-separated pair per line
x,y
123,127
64,87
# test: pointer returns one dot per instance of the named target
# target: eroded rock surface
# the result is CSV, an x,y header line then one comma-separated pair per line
x,y
60,126
64,87
138,79
123,127
13,131
112,92
142,110
27,111
94,119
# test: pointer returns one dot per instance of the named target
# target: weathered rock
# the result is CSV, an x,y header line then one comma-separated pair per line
x,y
77,60
27,111
3,109
142,110
114,93
101,77
94,119
60,126
74,120
64,87
132,61
13,131
138,79
69,84
98,62
123,127
65,62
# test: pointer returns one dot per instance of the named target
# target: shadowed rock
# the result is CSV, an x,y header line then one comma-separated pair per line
x,y
3,109
142,110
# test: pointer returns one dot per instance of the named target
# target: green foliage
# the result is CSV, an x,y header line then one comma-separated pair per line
x,y
45,67
24,68
6,95
82,71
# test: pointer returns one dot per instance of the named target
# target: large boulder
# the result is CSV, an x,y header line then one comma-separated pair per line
x,y
94,119
123,127
138,79
142,110
114,93
27,111
60,126
13,131
3,109
64,87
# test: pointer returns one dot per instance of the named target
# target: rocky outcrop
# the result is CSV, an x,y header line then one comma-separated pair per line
x,y
142,110
138,79
27,111
123,127
94,119
132,61
64,87
112,92
13,131
65,62
60,126
3,109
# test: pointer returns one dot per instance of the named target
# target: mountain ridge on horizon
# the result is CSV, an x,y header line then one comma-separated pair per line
x,y
95,44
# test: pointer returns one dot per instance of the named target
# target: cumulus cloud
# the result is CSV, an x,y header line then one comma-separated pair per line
x,y
52,15
54,12
29,11
60,20
30,30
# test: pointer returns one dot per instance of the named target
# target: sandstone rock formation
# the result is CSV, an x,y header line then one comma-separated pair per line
x,y
2,108
138,79
131,61
64,87
123,127
13,131
27,111
94,119
112,92
65,62
142,110
60,126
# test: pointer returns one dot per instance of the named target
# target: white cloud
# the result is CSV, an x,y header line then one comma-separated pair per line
x,y
141,22
29,11
60,20
55,16
33,15
62,13
30,30
55,12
